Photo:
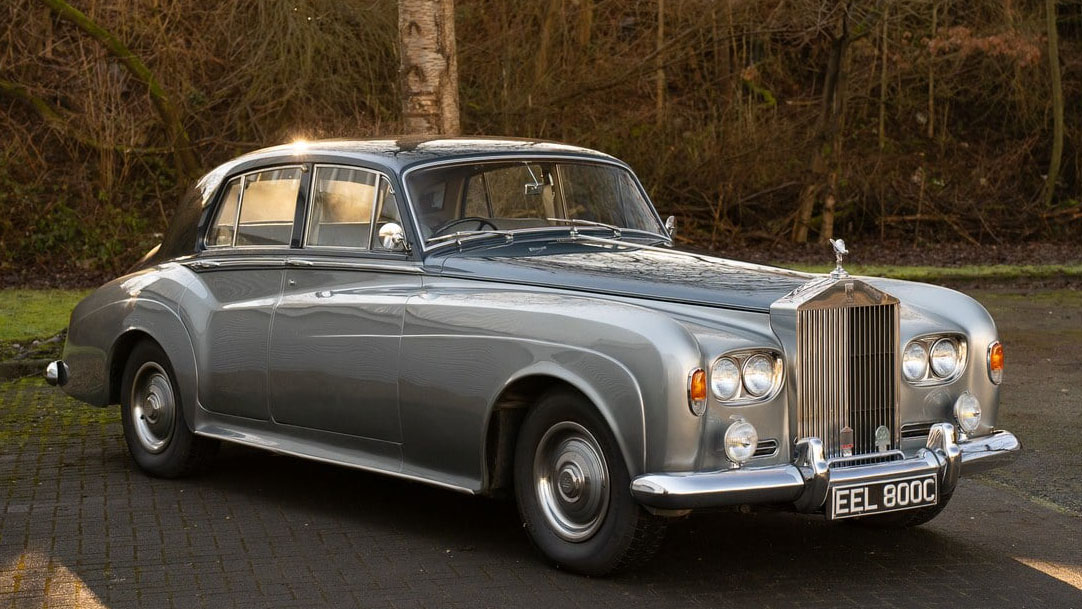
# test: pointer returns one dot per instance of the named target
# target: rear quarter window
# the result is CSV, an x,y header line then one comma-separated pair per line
x,y
257,209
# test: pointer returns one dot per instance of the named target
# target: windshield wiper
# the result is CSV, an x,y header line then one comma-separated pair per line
x,y
462,234
577,222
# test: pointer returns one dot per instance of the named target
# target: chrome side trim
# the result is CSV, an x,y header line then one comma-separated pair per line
x,y
355,265
234,262
227,435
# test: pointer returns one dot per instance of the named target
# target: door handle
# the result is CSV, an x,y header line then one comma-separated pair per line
x,y
300,263
205,264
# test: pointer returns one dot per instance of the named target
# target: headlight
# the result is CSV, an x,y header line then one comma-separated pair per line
x,y
758,375
944,357
914,361
725,379
967,411
741,439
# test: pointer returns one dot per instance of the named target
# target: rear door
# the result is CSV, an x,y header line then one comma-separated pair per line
x,y
336,332
240,275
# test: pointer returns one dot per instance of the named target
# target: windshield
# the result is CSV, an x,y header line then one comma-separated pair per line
x,y
527,194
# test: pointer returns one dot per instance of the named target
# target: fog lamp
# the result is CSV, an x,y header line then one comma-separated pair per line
x,y
741,440
967,411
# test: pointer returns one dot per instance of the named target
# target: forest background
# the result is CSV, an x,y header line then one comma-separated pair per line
x,y
904,125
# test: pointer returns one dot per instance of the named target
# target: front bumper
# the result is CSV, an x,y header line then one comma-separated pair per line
x,y
806,482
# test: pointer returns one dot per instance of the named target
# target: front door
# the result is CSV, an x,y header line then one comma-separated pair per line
x,y
337,328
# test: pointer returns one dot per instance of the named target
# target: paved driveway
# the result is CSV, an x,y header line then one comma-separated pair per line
x,y
80,527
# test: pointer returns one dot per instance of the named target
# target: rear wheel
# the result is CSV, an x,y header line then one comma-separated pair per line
x,y
574,490
155,429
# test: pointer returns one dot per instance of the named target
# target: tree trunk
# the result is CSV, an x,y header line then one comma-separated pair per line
x,y
827,136
883,82
187,166
659,62
1057,104
931,74
429,69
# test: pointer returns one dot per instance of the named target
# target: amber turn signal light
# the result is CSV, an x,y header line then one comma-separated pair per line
x,y
995,362
697,391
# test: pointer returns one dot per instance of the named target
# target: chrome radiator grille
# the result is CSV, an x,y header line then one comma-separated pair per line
x,y
847,375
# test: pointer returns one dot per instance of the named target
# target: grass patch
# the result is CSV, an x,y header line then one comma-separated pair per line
x,y
936,273
30,314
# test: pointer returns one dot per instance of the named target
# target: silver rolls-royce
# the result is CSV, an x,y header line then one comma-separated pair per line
x,y
493,314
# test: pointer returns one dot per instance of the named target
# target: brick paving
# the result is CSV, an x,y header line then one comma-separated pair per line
x,y
80,527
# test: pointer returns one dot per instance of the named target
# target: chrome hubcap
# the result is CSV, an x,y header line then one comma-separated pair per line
x,y
153,407
572,481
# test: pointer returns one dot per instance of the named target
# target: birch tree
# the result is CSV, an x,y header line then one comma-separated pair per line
x,y
429,69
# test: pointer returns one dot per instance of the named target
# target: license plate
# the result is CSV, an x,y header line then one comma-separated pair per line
x,y
862,499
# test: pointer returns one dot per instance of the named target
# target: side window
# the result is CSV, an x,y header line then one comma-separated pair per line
x,y
221,233
268,203
342,204
386,211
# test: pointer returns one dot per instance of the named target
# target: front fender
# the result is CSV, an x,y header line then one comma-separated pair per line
x,y
467,345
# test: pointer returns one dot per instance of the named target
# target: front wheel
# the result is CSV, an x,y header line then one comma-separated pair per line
x,y
574,490
151,412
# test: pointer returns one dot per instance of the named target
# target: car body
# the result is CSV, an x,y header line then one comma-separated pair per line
x,y
487,314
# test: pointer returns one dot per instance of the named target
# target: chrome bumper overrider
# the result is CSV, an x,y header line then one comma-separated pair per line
x,y
807,481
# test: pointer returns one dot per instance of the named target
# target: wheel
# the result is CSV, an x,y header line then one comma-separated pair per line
x,y
905,518
574,491
481,223
155,430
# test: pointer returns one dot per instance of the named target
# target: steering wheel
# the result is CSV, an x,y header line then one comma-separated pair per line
x,y
481,222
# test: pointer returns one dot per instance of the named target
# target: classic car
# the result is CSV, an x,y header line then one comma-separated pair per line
x,y
511,316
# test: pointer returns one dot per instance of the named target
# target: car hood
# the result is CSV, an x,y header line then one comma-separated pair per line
x,y
629,271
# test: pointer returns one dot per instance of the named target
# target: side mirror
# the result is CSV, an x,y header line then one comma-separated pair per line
x,y
392,237
670,226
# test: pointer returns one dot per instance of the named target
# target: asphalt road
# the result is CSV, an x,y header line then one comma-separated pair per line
x,y
80,527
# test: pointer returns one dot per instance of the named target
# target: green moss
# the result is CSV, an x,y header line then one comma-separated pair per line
x,y
30,314
932,273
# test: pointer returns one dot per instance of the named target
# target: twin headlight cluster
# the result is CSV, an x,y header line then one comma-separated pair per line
x,y
745,376
930,360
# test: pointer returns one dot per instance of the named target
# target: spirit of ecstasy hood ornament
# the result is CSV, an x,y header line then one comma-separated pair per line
x,y
839,253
